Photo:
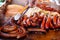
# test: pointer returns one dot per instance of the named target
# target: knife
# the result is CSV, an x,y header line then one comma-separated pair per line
x,y
17,17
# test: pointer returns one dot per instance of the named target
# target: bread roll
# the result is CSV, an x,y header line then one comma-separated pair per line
x,y
12,10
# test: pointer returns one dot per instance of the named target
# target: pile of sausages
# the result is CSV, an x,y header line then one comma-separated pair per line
x,y
37,20
12,31
40,20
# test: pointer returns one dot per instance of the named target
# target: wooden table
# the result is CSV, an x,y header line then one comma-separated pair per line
x,y
51,35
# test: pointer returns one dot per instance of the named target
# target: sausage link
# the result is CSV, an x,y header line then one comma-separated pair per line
x,y
6,35
22,32
43,23
55,20
12,32
28,22
9,28
47,23
58,22
51,25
